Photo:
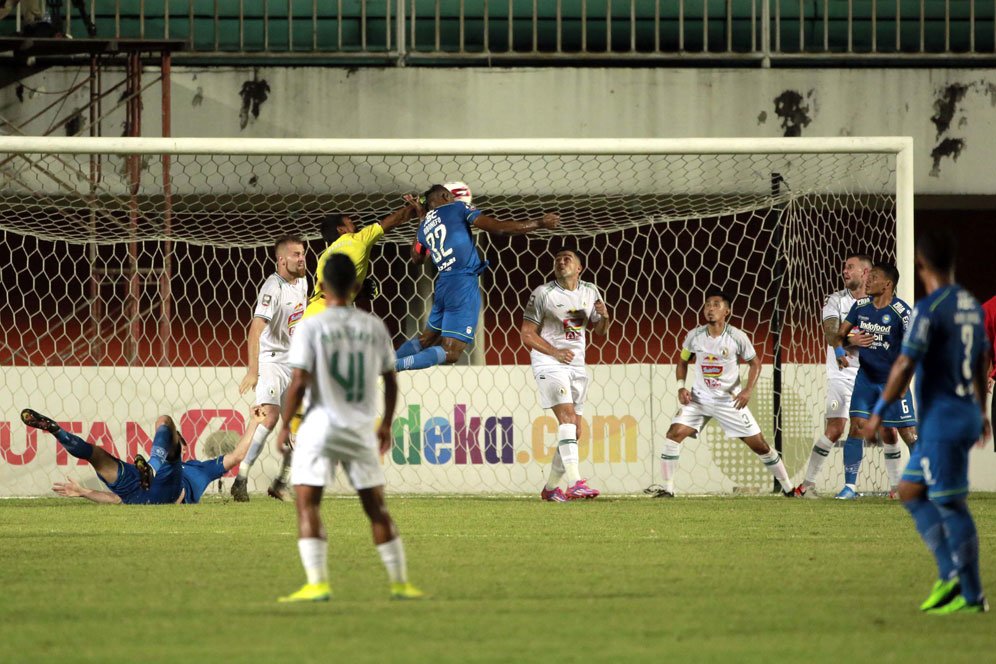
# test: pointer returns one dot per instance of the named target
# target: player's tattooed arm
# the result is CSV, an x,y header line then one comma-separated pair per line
x,y
830,328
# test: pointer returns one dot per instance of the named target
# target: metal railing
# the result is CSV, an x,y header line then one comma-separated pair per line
x,y
486,31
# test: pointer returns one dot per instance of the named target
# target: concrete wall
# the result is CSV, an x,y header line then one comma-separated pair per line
x,y
951,113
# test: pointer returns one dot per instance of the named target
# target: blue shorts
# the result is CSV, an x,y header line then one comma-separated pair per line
x,y
165,487
900,414
456,304
197,475
941,465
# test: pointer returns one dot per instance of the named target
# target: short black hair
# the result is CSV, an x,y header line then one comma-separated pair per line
x,y
339,274
939,249
330,227
577,254
890,271
285,240
861,257
434,189
720,293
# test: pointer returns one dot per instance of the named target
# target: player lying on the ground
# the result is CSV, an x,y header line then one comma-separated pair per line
x,y
946,346
717,348
876,324
445,235
162,479
553,329
279,307
337,357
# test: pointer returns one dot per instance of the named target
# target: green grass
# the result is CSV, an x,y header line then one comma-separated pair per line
x,y
696,579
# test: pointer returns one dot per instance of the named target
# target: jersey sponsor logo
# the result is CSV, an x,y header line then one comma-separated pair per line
x,y
265,301
875,328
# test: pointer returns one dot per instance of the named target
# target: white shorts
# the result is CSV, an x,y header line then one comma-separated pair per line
x,y
839,399
321,446
735,423
563,384
272,383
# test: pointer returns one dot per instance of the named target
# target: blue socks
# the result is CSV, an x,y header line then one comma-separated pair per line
x,y
930,525
423,359
75,445
161,445
963,540
410,347
854,451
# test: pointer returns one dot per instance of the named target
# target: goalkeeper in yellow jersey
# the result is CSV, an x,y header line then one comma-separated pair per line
x,y
340,234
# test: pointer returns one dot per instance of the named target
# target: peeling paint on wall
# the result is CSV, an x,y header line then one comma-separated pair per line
x,y
794,113
253,94
946,106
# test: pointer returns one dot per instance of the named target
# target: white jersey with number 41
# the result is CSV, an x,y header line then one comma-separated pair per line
x,y
344,350
563,316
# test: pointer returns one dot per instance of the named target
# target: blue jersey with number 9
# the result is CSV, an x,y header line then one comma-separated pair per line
x,y
945,339
446,232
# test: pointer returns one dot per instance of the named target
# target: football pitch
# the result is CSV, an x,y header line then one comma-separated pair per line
x,y
739,579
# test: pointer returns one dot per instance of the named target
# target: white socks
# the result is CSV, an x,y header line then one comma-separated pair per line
x,y
669,463
567,445
255,447
774,464
893,463
821,449
392,554
314,556
556,471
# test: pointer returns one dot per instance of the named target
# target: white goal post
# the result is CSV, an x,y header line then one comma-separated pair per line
x,y
131,265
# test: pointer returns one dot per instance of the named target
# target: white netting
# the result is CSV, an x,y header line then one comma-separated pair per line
x,y
130,285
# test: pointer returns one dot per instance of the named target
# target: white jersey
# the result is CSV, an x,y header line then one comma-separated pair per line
x,y
562,316
281,303
344,350
718,377
836,307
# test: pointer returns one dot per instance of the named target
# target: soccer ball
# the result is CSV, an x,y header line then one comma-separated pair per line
x,y
460,191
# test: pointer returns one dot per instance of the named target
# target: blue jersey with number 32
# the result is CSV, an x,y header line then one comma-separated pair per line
x,y
446,232
945,339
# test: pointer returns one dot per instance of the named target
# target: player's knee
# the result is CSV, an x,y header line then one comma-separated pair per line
x,y
676,433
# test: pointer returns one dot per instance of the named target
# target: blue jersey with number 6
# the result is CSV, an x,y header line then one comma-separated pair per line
x,y
446,232
945,339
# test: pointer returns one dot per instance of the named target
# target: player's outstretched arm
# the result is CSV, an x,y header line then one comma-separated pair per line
x,y
493,226
399,216
531,339
71,489
235,457
292,404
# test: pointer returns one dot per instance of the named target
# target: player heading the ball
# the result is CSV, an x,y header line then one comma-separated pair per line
x,y
717,348
553,329
445,236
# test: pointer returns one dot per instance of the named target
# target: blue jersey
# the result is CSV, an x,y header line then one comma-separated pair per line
x,y
945,339
888,324
446,231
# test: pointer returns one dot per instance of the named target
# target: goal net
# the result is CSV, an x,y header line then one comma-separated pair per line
x,y
131,268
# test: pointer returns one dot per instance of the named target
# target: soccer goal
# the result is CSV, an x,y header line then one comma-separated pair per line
x,y
131,266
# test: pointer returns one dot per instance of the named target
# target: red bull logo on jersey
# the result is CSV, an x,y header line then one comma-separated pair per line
x,y
467,438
